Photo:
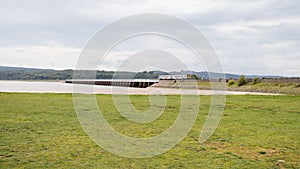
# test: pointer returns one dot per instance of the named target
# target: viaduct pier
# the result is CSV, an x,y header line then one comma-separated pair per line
x,y
140,83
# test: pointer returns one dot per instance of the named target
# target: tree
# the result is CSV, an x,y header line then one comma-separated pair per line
x,y
193,76
242,80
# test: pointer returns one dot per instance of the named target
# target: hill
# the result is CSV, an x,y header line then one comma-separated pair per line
x,y
8,68
205,75
21,73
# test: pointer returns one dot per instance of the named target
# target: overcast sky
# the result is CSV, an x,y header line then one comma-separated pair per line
x,y
250,37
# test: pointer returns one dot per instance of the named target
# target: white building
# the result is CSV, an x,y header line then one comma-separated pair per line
x,y
172,77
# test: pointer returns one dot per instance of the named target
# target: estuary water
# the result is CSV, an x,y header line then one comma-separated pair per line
x,y
62,87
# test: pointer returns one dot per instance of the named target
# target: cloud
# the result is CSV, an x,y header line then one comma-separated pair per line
x,y
251,37
40,56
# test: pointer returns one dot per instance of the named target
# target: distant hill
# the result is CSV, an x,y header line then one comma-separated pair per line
x,y
21,73
266,76
205,75
158,72
8,68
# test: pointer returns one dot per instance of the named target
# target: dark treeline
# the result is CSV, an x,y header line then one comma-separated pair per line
x,y
68,74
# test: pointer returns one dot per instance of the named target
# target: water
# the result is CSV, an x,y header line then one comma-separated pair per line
x,y
61,87
58,87
35,87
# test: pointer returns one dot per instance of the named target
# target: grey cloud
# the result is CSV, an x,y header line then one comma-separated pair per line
x,y
247,44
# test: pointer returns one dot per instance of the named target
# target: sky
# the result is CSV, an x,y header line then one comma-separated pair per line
x,y
250,37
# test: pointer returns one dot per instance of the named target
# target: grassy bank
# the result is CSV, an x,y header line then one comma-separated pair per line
x,y
42,131
283,88
263,87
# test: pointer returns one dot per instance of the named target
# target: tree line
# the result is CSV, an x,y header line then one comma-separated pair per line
x,y
68,74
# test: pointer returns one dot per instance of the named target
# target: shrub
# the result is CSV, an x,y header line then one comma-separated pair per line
x,y
231,82
193,76
242,80
255,81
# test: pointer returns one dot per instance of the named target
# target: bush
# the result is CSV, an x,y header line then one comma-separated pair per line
x,y
231,82
242,80
255,81
193,76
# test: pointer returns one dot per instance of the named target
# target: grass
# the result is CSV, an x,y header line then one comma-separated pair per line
x,y
263,87
42,131
284,88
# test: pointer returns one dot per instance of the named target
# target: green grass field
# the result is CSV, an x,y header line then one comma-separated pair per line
x,y
42,131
